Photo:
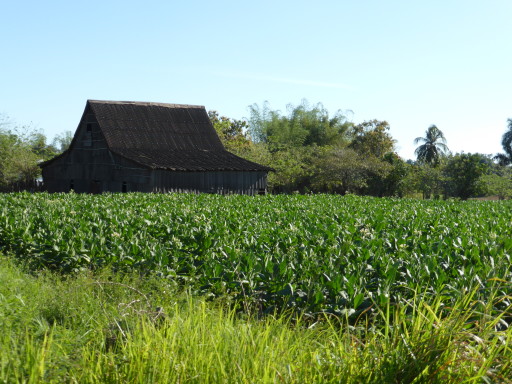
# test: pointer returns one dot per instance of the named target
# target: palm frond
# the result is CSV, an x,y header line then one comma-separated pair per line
x,y
433,147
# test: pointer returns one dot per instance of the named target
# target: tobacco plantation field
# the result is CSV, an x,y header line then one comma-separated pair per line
x,y
314,253
370,264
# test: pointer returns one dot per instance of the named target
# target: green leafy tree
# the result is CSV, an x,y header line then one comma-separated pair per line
x,y
303,125
321,129
312,150
498,181
296,142
433,148
258,121
464,175
293,170
21,148
62,141
429,180
18,161
37,142
231,132
391,181
7,143
372,138
283,132
375,166
343,170
499,185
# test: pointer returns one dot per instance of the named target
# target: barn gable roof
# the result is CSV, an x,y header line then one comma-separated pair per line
x,y
165,136
155,126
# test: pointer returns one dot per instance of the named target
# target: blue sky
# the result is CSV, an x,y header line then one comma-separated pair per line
x,y
412,63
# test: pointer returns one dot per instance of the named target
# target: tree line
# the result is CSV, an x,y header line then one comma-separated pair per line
x,y
22,148
311,151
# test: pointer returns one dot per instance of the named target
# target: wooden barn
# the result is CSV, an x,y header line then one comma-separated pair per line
x,y
150,147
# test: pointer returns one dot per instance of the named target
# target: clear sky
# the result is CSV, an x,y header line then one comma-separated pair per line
x,y
412,63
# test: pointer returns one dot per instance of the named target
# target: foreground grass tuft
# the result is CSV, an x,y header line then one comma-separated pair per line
x,y
106,328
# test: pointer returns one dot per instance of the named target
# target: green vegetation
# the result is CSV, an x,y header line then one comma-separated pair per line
x,y
313,151
506,142
21,148
310,151
433,148
208,288
105,328
314,253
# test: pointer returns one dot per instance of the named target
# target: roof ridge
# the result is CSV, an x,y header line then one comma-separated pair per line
x,y
144,103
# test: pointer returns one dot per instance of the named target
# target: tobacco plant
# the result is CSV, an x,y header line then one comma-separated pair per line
x,y
324,253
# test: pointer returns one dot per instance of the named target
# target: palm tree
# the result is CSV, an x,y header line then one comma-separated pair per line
x,y
506,143
433,147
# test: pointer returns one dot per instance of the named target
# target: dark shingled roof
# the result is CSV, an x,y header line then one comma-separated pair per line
x,y
166,136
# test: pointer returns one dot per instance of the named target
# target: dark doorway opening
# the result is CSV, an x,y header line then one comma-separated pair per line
x,y
95,187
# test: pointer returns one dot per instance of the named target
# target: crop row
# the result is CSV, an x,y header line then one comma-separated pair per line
x,y
315,253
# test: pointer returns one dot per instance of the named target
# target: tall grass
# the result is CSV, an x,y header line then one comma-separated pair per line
x,y
106,328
